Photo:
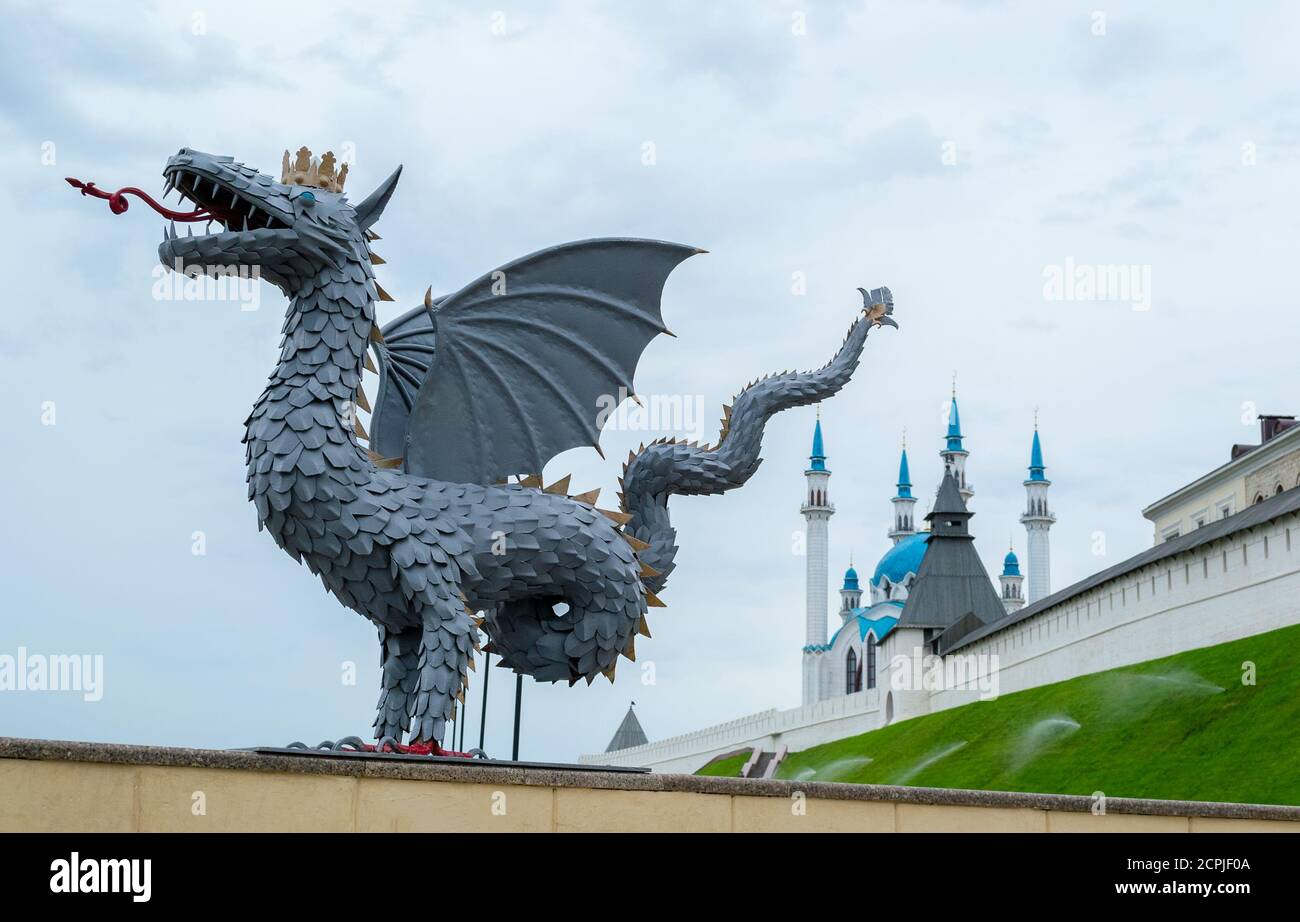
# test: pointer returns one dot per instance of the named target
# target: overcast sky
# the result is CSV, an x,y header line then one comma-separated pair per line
x,y
955,152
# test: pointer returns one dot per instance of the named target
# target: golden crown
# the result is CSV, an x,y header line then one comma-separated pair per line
x,y
305,170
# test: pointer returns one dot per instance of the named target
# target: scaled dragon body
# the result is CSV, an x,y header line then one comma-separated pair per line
x,y
423,529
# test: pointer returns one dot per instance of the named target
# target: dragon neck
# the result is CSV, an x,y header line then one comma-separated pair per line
x,y
315,382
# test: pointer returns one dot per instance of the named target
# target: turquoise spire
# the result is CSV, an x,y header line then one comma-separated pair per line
x,y
954,427
954,420
851,580
1011,564
1036,467
818,456
904,478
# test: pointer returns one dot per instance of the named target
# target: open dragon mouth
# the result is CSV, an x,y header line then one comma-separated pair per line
x,y
226,206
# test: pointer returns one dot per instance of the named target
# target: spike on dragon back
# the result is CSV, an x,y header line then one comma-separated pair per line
x,y
423,532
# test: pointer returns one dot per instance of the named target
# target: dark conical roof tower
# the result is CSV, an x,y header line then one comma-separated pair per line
x,y
949,515
629,733
951,584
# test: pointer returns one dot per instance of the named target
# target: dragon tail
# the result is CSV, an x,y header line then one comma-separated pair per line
x,y
669,467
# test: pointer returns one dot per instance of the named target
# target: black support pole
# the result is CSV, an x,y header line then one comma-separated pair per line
x,y
462,714
519,700
482,721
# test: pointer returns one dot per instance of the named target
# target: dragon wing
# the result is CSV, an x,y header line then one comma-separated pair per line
x,y
404,353
525,359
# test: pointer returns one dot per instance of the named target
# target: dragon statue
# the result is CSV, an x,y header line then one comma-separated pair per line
x,y
424,532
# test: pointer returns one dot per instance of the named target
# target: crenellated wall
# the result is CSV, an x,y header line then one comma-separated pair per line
x,y
1243,584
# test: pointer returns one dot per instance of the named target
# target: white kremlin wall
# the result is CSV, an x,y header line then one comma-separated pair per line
x,y
1243,584
1246,583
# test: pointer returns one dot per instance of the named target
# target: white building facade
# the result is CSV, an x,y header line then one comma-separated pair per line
x,y
1252,474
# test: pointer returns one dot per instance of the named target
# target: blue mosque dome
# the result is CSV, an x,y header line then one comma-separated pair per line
x,y
1011,564
851,580
901,559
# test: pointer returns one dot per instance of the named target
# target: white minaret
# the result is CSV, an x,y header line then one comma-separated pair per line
x,y
1038,519
1013,594
953,454
904,502
817,511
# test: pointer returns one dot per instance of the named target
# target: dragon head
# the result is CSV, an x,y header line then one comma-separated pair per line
x,y
878,306
288,230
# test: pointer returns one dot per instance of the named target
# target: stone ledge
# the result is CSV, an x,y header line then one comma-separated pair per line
x,y
121,754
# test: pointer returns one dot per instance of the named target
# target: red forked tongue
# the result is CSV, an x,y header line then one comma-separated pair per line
x,y
118,204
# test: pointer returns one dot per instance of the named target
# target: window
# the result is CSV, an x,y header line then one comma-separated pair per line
x,y
852,673
871,661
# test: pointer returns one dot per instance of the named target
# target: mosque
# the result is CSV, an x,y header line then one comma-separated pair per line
x,y
847,662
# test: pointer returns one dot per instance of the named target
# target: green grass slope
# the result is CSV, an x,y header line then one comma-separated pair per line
x,y
1185,727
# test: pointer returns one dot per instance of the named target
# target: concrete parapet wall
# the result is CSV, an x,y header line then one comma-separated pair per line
x,y
56,786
